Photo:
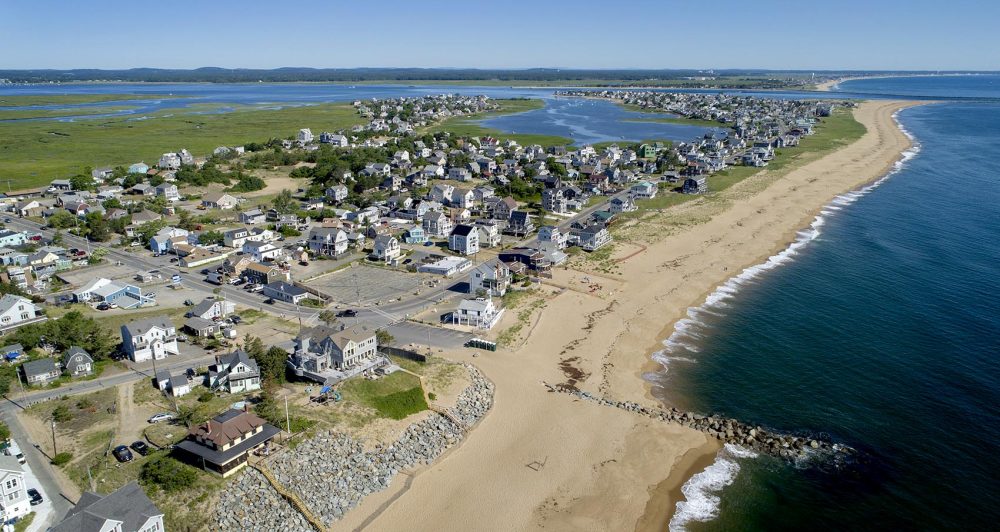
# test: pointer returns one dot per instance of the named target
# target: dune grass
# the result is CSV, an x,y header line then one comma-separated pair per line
x,y
394,396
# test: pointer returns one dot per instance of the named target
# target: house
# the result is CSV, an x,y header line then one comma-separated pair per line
x,y
282,291
336,140
643,190
520,223
479,312
201,327
16,311
619,204
261,251
385,248
551,235
464,240
14,502
256,272
500,209
414,235
253,217
432,171
447,266
328,241
12,238
179,385
144,217
592,237
459,174
235,372
138,168
322,348
695,185
61,184
11,352
219,200
337,193
165,239
463,198
222,444
442,193
151,338
305,136
76,362
235,238
532,259
491,278
554,200
28,207
210,309
127,509
437,224
168,191
40,371
104,290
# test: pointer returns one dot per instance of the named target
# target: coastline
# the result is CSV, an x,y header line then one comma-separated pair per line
x,y
547,460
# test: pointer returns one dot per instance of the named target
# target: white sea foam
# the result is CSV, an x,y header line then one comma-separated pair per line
x,y
701,499
729,289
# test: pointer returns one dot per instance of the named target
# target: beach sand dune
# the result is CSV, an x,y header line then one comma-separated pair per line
x,y
546,460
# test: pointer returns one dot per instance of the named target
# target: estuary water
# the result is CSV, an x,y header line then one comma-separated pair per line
x,y
880,327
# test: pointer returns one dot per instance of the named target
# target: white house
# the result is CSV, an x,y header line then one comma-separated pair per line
x,y
643,190
16,311
479,312
253,216
219,200
437,224
328,241
14,502
322,347
305,136
619,205
144,340
386,248
261,251
550,234
464,240
235,372
337,193
168,191
491,278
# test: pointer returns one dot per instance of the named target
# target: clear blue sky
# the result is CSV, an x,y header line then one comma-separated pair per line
x,y
773,34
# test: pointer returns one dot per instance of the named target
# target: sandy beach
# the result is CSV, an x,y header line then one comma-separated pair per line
x,y
546,460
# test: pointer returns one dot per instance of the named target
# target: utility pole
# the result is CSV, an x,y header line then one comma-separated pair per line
x,y
54,450
288,420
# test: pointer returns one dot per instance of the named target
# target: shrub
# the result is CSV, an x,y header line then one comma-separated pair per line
x,y
167,474
62,459
84,404
206,397
432,396
61,414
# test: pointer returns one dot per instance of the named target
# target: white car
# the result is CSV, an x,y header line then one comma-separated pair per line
x,y
163,416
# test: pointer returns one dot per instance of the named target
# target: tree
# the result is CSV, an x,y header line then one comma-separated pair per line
x,y
82,182
57,238
284,203
97,227
72,329
62,220
210,237
328,317
184,220
384,337
4,431
4,385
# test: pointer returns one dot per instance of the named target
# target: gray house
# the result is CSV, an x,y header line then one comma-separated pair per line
x,y
77,362
126,509
40,371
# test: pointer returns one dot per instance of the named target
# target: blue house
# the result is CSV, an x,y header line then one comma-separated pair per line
x,y
110,292
138,168
415,235
11,238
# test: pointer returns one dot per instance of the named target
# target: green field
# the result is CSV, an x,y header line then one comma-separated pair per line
x,y
36,152
393,396
467,126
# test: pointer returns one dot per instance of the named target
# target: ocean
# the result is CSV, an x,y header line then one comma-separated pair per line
x,y
879,327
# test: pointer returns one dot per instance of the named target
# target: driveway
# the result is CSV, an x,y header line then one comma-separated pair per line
x,y
44,513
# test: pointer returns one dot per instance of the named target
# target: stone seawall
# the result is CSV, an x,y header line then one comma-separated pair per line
x,y
331,473
787,446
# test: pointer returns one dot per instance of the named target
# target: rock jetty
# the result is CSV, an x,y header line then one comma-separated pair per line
x,y
790,447
332,472
251,504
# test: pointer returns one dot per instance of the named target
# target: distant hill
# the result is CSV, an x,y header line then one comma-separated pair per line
x,y
286,74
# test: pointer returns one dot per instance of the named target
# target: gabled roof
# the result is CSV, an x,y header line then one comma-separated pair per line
x,y
227,427
41,366
239,357
140,327
73,351
463,230
129,505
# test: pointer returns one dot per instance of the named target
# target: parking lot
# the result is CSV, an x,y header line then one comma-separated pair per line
x,y
370,284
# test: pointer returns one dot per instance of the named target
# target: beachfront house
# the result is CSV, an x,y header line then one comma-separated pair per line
x,y
14,502
235,372
222,444
127,509
491,278
464,240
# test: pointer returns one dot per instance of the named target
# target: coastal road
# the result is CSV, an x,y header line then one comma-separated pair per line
x,y
39,464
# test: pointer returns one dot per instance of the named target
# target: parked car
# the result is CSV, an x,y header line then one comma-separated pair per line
x,y
269,301
348,313
103,306
205,271
135,244
188,303
140,447
190,372
236,319
36,498
173,259
428,243
163,416
6,220
122,454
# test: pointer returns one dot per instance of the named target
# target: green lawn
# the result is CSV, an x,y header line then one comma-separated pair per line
x,y
468,126
35,152
394,396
